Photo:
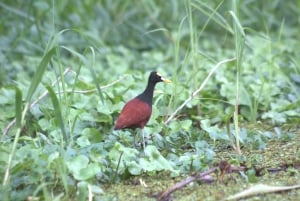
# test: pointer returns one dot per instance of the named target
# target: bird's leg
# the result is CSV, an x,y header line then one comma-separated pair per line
x,y
134,143
143,136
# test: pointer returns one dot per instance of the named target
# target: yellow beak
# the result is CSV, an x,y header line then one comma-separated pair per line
x,y
166,80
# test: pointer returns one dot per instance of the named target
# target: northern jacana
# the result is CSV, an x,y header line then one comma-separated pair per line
x,y
136,113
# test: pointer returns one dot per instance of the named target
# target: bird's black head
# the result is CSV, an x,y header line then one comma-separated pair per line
x,y
147,95
156,77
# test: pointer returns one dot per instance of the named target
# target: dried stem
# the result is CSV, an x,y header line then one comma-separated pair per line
x,y
165,195
199,89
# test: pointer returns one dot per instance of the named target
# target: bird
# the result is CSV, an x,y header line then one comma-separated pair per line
x,y
137,112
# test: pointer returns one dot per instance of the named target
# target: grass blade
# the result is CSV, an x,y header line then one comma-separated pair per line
x,y
58,113
212,14
91,67
39,73
237,23
18,107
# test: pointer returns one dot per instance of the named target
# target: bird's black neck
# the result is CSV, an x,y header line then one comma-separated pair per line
x,y
147,95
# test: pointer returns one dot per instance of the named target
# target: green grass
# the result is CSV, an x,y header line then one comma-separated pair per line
x,y
67,70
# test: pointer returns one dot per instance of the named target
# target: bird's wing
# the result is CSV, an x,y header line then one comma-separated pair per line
x,y
135,114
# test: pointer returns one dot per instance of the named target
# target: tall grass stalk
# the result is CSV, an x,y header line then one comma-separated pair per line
x,y
193,43
239,36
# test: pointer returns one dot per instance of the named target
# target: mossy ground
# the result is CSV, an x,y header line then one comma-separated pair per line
x,y
277,155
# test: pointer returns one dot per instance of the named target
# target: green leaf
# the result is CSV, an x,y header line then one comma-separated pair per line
x,y
186,124
77,163
176,126
251,176
92,134
134,168
83,141
81,168
154,161
88,172
214,132
128,157
52,157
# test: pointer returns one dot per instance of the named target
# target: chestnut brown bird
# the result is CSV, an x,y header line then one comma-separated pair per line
x,y
136,113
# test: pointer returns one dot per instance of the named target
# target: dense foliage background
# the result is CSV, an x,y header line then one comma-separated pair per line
x,y
67,68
